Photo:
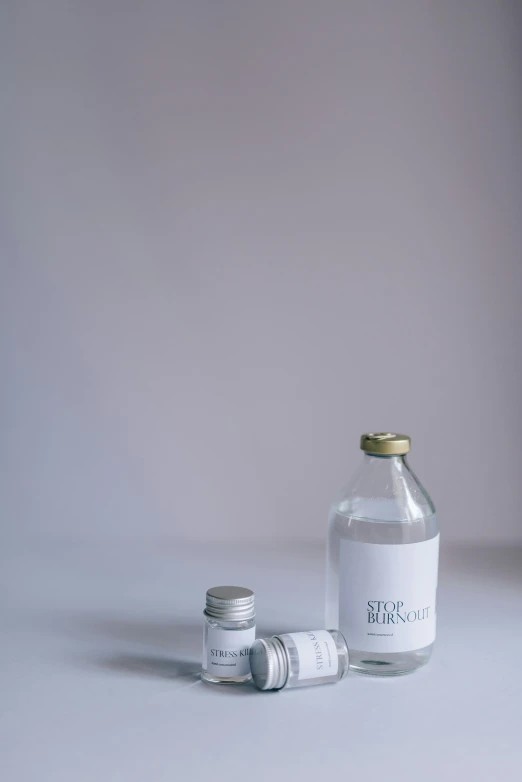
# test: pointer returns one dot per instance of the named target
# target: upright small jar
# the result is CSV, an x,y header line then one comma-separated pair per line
x,y
229,632
299,659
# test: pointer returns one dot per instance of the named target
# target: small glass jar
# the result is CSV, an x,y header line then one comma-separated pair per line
x,y
299,659
229,632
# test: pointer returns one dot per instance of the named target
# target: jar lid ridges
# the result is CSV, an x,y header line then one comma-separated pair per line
x,y
230,603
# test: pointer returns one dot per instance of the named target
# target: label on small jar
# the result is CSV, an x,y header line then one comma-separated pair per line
x,y
228,651
388,595
317,652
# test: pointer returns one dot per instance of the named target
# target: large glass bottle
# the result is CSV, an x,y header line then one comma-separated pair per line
x,y
382,562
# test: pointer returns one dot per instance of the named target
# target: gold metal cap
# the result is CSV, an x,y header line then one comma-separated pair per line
x,y
385,443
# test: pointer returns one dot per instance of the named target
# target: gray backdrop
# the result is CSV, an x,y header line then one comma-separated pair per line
x,y
240,234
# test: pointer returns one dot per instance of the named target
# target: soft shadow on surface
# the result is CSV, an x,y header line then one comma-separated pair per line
x,y
148,647
150,666
158,648
162,634
184,673
152,632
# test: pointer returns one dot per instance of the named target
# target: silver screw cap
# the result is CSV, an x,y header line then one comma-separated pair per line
x,y
269,663
230,603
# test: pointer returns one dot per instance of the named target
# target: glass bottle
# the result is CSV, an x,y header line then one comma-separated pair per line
x,y
229,632
299,659
382,562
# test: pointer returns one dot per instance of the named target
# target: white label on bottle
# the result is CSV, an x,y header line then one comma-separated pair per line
x,y
317,654
387,595
228,651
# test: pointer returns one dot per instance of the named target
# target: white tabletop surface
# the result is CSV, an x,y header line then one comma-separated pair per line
x,y
100,673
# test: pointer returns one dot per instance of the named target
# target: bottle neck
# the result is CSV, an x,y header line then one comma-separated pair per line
x,y
386,461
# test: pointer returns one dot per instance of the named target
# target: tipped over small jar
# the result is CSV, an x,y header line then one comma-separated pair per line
x,y
299,659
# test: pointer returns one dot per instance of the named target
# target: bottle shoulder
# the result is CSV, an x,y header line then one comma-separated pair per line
x,y
384,490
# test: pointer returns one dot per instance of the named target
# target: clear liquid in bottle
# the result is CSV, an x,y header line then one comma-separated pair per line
x,y
382,562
